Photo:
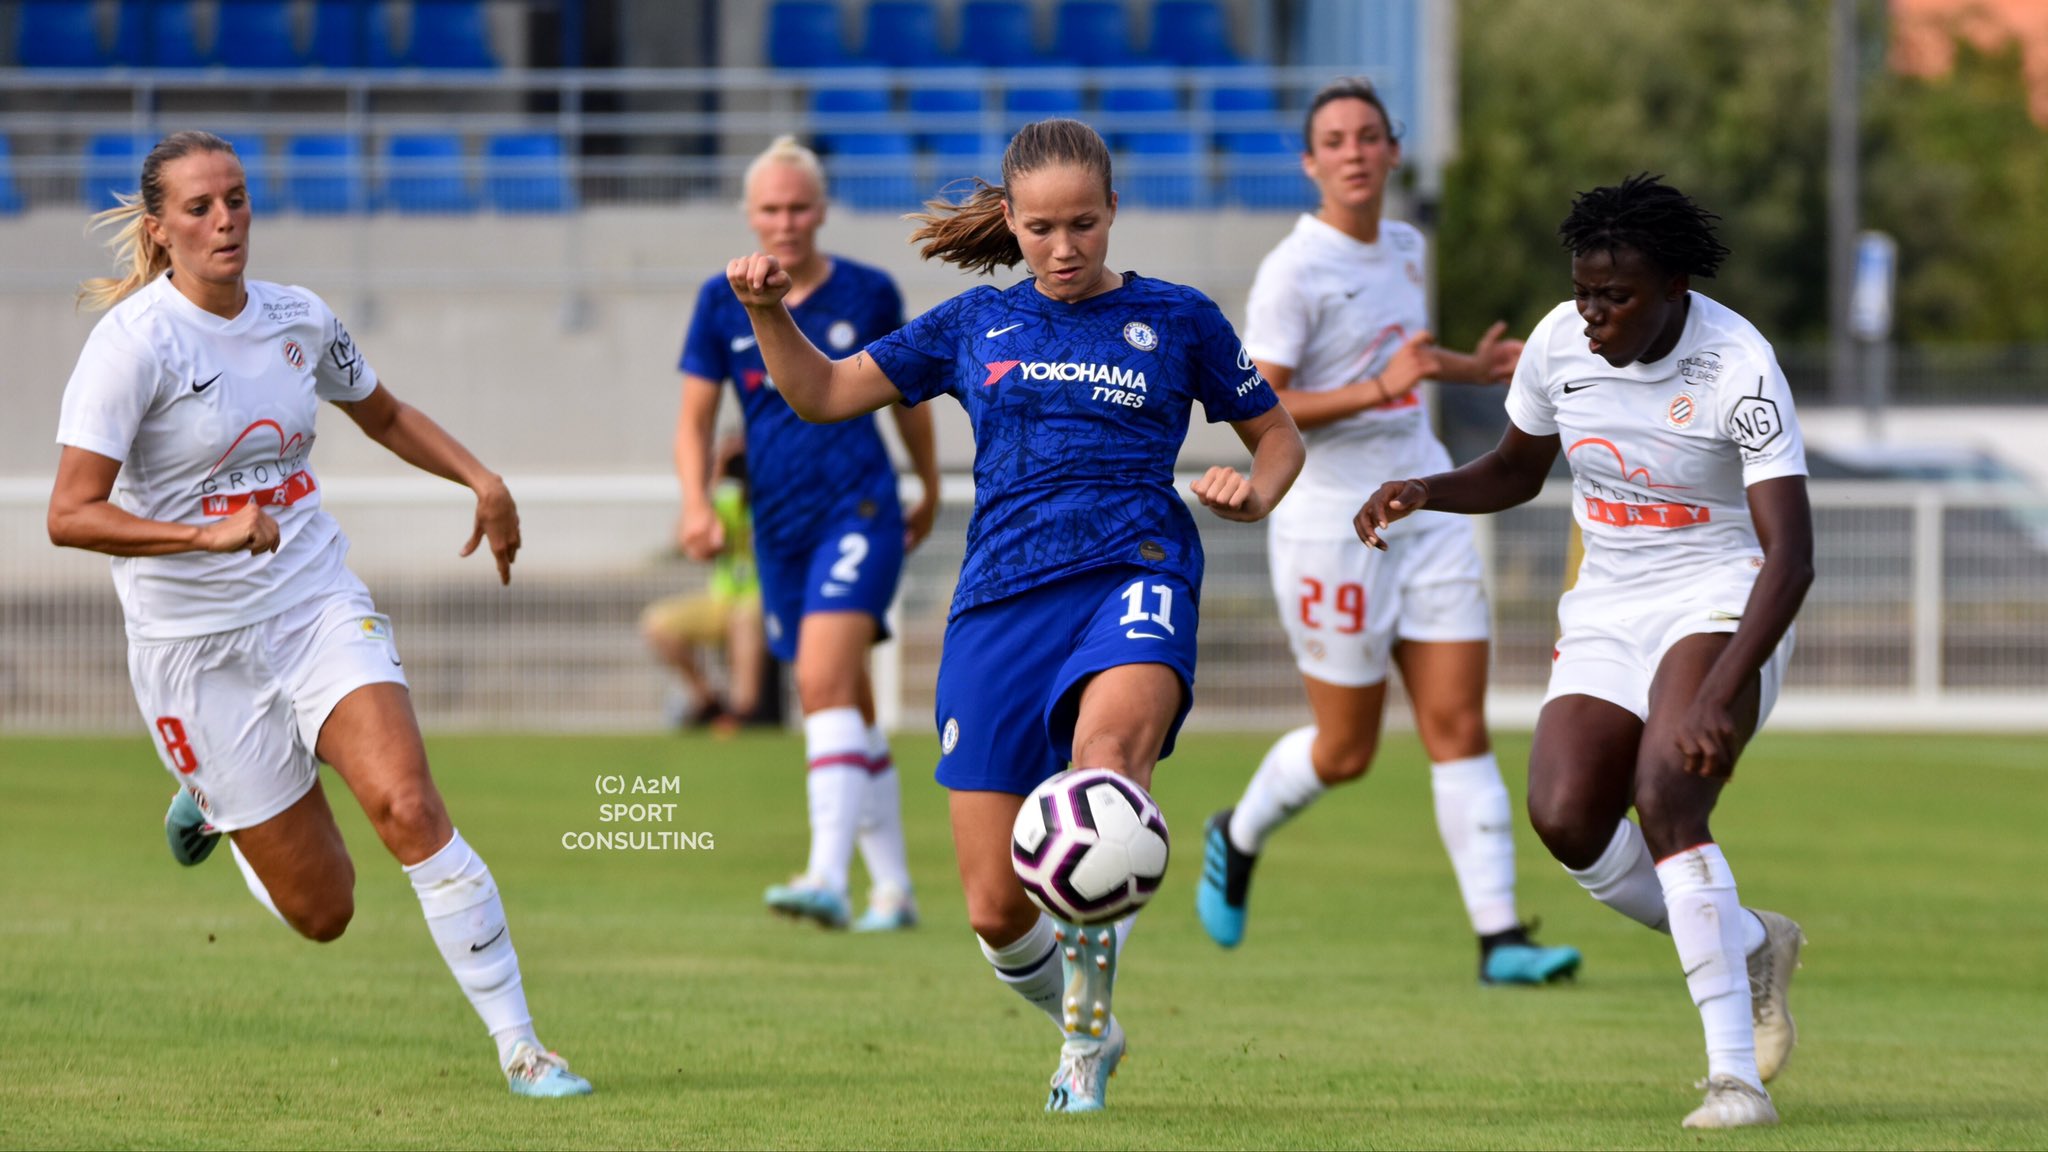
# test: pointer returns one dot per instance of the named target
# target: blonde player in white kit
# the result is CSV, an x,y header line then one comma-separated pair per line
x,y
255,652
1689,478
1338,323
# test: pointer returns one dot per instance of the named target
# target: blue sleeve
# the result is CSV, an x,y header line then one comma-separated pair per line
x,y
918,357
705,352
1220,372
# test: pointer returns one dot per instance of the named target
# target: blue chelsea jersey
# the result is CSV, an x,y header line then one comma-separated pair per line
x,y
801,477
1079,411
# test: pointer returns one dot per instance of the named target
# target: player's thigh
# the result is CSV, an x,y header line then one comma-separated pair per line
x,y
1675,805
299,856
1446,682
997,908
223,725
997,668
1338,602
832,659
1582,765
1128,680
1348,719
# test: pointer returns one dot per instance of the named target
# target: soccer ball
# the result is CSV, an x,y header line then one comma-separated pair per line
x,y
1089,845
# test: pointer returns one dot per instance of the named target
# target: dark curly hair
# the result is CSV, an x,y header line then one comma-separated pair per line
x,y
1650,216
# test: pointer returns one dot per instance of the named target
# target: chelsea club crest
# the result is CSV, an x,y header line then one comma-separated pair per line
x,y
1140,335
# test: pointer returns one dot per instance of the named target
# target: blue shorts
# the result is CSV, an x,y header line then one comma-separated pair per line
x,y
1011,674
853,567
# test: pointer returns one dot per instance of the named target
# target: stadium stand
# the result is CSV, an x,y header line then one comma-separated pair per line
x,y
961,102
158,34
998,34
1192,34
450,34
806,34
113,164
351,34
59,34
256,34
427,175
11,202
1094,34
872,158
324,175
1148,128
904,34
524,173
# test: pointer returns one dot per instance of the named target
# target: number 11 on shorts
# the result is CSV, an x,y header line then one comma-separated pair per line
x,y
1134,613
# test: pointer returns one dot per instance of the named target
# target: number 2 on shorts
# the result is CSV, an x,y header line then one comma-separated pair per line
x,y
853,548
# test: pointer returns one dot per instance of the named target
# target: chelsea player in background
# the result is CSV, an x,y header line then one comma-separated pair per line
x,y
1072,633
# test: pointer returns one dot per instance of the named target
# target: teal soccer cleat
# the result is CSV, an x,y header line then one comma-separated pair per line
x,y
192,839
1225,886
802,900
543,1075
889,910
1512,958
1081,1083
1095,1041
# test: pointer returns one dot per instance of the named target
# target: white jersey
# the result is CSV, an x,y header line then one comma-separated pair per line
x,y
206,415
1661,453
1336,310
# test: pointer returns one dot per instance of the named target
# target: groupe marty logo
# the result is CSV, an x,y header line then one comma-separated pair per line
x,y
1140,335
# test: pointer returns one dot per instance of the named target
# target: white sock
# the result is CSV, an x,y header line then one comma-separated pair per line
x,y
1707,924
1031,966
836,745
1472,816
467,920
1625,879
1285,783
881,819
255,883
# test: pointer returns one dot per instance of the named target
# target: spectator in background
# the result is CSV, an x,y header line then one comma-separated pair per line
x,y
726,614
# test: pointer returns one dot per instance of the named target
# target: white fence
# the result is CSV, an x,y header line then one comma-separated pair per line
x,y
1931,610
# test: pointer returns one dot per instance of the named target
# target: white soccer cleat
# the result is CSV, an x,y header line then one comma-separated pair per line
x,y
1732,1103
538,1073
1770,980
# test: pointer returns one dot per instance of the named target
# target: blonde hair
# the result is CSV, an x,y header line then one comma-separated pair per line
x,y
785,150
142,258
971,233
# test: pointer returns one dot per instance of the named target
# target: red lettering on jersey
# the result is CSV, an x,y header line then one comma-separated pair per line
x,y
751,379
1644,515
295,488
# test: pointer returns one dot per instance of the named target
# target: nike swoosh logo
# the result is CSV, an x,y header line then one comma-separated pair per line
x,y
742,343
1134,634
1354,292
1696,967
198,388
1568,389
995,332
488,943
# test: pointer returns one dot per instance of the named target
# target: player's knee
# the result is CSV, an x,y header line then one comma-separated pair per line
x,y
1117,751
411,816
1672,818
1001,918
1452,733
324,920
820,686
1572,836
1345,762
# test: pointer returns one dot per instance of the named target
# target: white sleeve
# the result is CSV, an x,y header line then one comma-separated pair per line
x,y
1756,413
110,392
342,374
1530,405
1276,319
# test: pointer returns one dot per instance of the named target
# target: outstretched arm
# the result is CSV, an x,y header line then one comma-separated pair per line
x,y
819,389
412,436
1491,361
1277,456
1511,474
915,426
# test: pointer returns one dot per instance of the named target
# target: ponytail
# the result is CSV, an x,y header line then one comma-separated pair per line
x,y
972,233
138,258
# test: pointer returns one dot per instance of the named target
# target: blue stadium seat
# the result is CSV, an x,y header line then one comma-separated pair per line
x,y
1243,112
427,175
158,34
1263,170
351,34
10,193
524,172
1038,103
1093,34
962,140
113,163
450,34
256,34
59,34
254,153
1192,34
872,158
806,34
903,34
323,175
1163,161
1129,111
997,34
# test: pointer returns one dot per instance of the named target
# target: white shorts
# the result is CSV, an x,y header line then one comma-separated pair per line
x,y
1345,604
236,715
1612,642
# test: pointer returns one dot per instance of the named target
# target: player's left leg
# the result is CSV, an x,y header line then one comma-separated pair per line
x,y
1719,941
831,685
372,739
1446,681
892,906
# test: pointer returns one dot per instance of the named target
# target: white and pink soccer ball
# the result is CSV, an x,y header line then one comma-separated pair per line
x,y
1089,845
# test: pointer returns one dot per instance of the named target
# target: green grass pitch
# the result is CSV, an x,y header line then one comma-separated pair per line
x,y
146,1005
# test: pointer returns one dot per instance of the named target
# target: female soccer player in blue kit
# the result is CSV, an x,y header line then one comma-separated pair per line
x,y
1072,634
829,535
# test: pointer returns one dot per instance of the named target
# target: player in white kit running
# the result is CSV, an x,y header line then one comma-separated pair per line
x,y
1689,484
255,653
1338,323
